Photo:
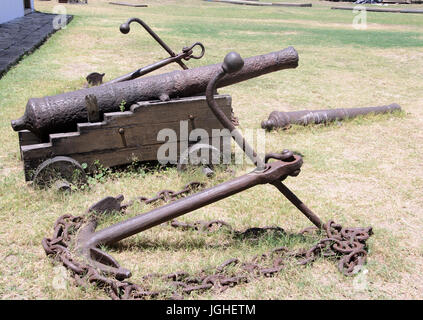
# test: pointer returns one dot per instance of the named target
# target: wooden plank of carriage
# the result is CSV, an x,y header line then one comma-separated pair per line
x,y
257,3
123,135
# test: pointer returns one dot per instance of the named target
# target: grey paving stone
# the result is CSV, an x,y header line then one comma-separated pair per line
x,y
24,35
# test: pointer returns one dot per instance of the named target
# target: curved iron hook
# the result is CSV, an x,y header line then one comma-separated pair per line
x,y
231,64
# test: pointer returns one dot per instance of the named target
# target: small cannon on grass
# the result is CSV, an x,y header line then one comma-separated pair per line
x,y
279,119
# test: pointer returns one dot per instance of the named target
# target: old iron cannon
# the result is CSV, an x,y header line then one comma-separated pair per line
x,y
279,119
286,164
119,121
61,113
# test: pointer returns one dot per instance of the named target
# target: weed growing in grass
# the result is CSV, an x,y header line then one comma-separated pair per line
x,y
99,174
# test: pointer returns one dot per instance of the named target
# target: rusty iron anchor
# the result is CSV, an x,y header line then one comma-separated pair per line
x,y
287,164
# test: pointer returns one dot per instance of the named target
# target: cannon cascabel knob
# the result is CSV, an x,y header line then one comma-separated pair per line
x,y
19,124
276,120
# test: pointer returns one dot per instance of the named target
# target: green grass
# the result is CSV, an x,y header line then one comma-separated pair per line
x,y
321,37
365,171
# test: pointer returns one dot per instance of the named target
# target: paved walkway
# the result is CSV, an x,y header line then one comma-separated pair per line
x,y
23,35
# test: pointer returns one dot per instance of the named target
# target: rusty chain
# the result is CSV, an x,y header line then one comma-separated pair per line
x,y
167,195
346,244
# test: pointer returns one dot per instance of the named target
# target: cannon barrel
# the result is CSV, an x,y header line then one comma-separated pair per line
x,y
279,119
61,113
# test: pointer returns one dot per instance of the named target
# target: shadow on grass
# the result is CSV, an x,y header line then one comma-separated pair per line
x,y
255,237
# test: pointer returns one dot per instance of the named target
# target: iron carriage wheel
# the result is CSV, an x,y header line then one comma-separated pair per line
x,y
64,170
201,154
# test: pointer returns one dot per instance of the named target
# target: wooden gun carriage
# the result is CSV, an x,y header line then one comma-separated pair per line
x,y
118,122
121,138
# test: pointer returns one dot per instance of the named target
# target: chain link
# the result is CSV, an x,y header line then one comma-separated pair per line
x,y
346,244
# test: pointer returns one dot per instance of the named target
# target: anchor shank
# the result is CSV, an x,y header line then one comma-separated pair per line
x,y
275,170
171,211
